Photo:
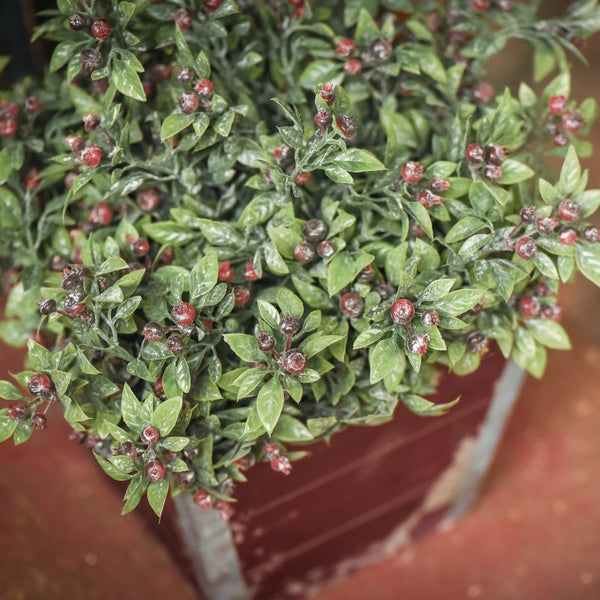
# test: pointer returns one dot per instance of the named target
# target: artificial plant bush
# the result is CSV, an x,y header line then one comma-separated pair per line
x,y
228,227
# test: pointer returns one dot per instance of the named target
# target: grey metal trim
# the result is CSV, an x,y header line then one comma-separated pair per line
x,y
211,550
506,393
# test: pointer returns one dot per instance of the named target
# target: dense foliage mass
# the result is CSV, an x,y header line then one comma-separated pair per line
x,y
227,227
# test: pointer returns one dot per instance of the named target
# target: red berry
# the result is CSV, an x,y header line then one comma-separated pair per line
x,y
303,178
90,122
557,104
212,4
101,29
174,344
427,199
39,385
416,229
70,179
327,94
367,274
402,311
551,311
147,199
323,118
265,342
430,318
529,306
185,74
38,421
526,248
224,508
8,110
150,435
351,304
314,230
304,253
139,246
47,307
345,47
75,143
412,172
560,139
476,342
241,295
91,156
347,126
163,72
380,48
155,470
225,271
8,128
101,214
568,210
204,88
32,105
417,343
188,102
203,499
73,304
183,314
17,411
282,155
126,449
158,387
78,22
492,172
249,272
567,236
527,214
439,185
183,17
495,154
32,182
474,153
294,361
289,325
325,249
591,234
353,67
90,58
281,464
572,121
480,5
153,331
546,225
483,93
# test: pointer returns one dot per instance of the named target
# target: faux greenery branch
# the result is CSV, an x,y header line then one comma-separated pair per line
x,y
232,227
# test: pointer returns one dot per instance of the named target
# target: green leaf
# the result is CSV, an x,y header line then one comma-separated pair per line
x,y
112,294
62,54
134,493
385,358
338,174
545,265
289,303
173,124
244,346
464,228
515,172
131,410
61,380
127,80
436,289
317,342
204,275
458,302
343,269
111,470
157,495
270,403
248,381
312,295
550,333
356,160
570,172
175,444
424,408
166,414
224,123
588,261
292,431
7,427
8,391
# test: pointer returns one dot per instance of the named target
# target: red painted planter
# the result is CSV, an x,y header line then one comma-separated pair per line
x,y
340,506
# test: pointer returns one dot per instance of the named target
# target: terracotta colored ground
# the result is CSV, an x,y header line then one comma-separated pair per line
x,y
535,534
